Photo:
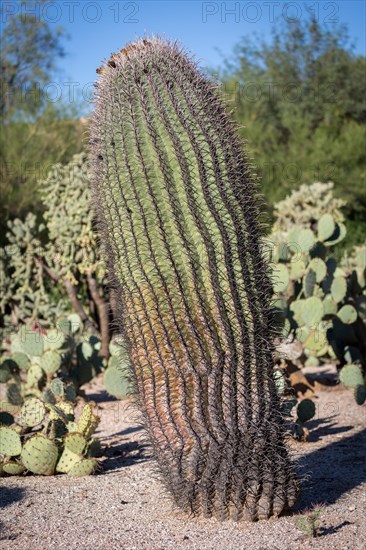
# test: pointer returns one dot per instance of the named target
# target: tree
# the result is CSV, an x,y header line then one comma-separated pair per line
x,y
36,133
301,105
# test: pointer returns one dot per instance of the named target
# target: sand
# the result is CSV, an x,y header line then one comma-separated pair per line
x,y
124,507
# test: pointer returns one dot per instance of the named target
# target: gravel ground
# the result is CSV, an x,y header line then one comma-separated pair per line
x,y
123,507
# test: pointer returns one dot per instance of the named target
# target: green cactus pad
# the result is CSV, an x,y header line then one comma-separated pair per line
x,y
50,361
67,460
39,455
351,376
88,421
21,359
308,284
13,394
15,344
75,442
339,234
31,342
116,382
13,468
298,269
32,413
76,322
84,467
64,410
74,445
326,227
316,342
306,240
94,448
10,442
319,267
360,394
305,410
48,396
57,387
312,311
85,350
347,314
113,362
329,305
338,289
280,278
35,375
65,326
72,426
54,339
70,392
118,347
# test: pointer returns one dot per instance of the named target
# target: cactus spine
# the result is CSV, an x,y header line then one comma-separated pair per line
x,y
180,226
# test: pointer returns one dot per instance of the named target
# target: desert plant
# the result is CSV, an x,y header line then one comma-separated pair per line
x,y
25,290
35,356
45,438
52,266
321,301
179,221
309,523
72,255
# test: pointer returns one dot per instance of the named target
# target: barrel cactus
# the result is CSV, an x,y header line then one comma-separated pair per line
x,y
179,223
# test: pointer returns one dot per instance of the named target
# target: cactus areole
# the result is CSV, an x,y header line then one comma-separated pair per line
x,y
179,224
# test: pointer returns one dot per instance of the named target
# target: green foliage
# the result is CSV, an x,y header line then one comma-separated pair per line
x,y
69,221
321,302
26,294
35,357
116,376
44,438
309,524
36,130
50,267
300,103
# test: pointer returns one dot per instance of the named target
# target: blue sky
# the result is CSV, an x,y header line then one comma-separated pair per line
x,y
209,29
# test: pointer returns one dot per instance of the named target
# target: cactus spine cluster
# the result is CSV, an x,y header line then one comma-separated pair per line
x,y
180,225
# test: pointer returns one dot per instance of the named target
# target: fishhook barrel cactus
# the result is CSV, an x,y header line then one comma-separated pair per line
x,y
179,222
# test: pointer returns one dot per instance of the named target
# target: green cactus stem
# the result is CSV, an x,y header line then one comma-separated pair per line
x,y
10,443
39,455
179,220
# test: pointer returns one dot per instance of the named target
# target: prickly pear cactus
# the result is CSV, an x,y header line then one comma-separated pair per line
x,y
37,355
178,214
321,302
39,455
45,439
116,377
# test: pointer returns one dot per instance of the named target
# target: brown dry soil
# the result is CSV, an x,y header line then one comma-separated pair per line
x,y
124,507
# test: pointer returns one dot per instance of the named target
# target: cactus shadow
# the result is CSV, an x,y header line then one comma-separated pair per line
x,y
124,453
8,495
102,396
320,428
331,471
